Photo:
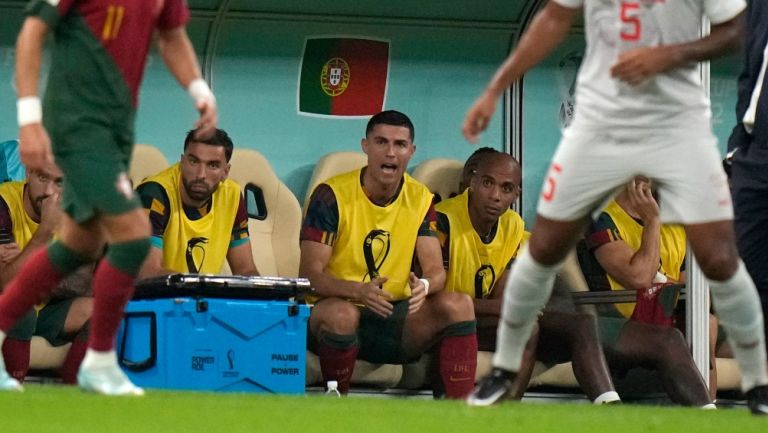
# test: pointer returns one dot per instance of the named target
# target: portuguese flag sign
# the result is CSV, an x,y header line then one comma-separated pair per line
x,y
343,76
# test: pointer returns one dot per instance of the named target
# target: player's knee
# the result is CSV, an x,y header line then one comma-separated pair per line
x,y
718,265
335,315
671,342
454,307
128,256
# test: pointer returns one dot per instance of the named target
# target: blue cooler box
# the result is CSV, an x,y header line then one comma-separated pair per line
x,y
215,344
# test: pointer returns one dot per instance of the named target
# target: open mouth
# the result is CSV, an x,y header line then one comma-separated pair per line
x,y
388,168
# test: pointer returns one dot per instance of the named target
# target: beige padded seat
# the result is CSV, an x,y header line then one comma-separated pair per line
x,y
147,160
274,240
440,175
332,164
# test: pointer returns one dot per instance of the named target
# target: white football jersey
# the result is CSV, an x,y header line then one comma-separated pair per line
x,y
616,26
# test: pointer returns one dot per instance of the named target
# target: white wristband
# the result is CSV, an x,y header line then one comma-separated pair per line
x,y
659,278
29,110
198,89
426,285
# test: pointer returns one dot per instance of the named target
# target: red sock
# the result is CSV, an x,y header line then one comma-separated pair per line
x,y
69,369
458,363
16,355
337,364
32,284
112,288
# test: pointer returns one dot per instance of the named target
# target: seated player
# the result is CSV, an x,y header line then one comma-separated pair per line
x,y
480,236
634,250
198,216
361,233
29,217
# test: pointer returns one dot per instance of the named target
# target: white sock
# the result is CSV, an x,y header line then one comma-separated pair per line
x,y
94,359
709,406
738,307
2,337
528,288
607,397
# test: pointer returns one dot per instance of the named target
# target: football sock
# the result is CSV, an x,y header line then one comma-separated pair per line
x,y
71,365
16,355
458,359
738,307
528,288
337,355
112,288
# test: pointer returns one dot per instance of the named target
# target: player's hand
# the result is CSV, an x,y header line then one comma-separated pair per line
x,y
8,252
209,118
478,116
35,148
375,298
635,66
641,197
418,294
50,213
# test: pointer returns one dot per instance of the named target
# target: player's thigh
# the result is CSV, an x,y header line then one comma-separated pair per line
x,y
688,173
586,170
94,156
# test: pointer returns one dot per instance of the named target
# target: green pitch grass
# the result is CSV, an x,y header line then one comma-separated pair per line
x,y
66,409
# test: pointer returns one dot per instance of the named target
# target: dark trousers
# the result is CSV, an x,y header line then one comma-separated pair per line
x,y
749,185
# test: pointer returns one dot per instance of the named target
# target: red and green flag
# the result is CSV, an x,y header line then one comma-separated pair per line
x,y
343,76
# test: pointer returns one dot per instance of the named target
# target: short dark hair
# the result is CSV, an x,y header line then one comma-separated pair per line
x,y
219,138
470,166
390,117
478,154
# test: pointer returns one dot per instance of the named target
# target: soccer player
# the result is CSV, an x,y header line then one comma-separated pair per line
x,y
29,217
631,249
197,214
480,237
89,109
361,233
640,109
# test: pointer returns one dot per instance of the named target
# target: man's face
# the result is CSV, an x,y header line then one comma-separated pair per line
x,y
494,186
203,167
389,148
40,186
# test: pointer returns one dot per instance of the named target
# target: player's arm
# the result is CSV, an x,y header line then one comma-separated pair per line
x,y
49,220
315,256
491,306
635,66
179,56
632,269
430,259
35,146
240,259
153,264
548,29
155,202
239,253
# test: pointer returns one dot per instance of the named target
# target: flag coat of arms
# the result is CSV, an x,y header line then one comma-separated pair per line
x,y
345,77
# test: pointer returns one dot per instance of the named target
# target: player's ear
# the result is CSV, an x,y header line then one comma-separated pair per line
x,y
226,170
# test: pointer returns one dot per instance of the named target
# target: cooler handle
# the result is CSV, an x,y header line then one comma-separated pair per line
x,y
146,364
